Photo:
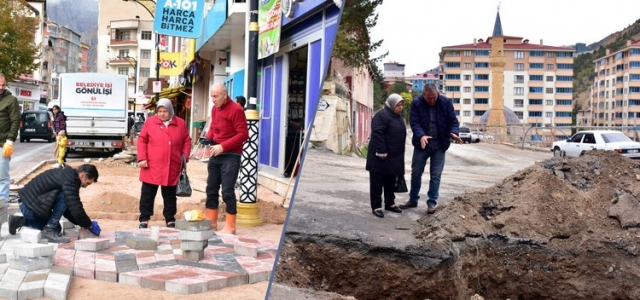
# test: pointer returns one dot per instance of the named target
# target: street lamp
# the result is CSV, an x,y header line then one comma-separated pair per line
x,y
151,9
135,78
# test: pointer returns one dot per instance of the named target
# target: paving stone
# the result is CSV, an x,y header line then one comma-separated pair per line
x,y
30,235
258,274
193,226
58,283
11,283
203,235
246,249
106,270
33,250
141,243
215,240
193,245
30,263
187,286
217,282
3,269
3,258
33,285
92,244
193,255
66,224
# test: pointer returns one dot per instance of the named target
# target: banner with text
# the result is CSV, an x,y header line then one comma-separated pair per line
x,y
171,63
269,21
181,18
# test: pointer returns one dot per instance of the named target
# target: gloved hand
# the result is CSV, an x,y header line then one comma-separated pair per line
x,y
95,228
206,142
7,149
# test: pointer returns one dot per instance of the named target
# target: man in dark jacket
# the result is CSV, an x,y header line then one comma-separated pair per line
x,y
52,194
434,125
9,126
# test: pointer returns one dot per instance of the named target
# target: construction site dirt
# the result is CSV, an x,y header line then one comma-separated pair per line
x,y
556,229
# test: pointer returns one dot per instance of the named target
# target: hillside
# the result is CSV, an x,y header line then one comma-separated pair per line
x,y
80,18
583,68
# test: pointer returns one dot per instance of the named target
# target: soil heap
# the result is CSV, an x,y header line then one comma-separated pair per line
x,y
561,229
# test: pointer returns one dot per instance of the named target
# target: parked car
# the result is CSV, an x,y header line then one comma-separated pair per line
x,y
475,136
482,135
37,124
465,134
583,141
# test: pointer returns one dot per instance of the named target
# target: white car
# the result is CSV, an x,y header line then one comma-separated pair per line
x,y
587,140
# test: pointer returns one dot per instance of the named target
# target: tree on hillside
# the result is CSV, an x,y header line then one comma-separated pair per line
x,y
379,93
398,87
17,47
353,42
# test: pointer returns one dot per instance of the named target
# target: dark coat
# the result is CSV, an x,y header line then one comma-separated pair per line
x,y
9,117
40,193
388,135
446,120
59,122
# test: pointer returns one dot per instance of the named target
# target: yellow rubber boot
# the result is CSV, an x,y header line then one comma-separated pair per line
x,y
212,214
229,225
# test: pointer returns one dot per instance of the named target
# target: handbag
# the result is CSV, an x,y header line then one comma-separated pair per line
x,y
401,185
183,189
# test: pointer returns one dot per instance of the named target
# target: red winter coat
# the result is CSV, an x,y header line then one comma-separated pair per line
x,y
162,147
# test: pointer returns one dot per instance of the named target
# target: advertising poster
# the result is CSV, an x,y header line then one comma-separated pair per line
x,y
170,63
269,23
181,18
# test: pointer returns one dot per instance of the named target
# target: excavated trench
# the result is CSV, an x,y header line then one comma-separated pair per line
x,y
564,229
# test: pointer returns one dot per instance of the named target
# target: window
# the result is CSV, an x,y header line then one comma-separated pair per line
x,y
561,90
549,78
145,54
535,114
634,77
123,71
518,102
563,102
467,65
481,100
466,113
567,66
481,76
467,77
563,114
145,35
467,89
548,91
535,101
479,113
481,89
482,52
550,67
563,78
518,78
455,100
518,54
124,35
467,52
123,53
452,64
565,54
518,114
548,114
634,64
452,88
482,65
550,54
533,89
518,91
634,90
536,53
518,67
467,101
453,53
535,77
536,65
145,72
452,77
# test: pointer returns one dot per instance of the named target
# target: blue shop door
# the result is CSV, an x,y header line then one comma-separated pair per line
x,y
315,80
271,112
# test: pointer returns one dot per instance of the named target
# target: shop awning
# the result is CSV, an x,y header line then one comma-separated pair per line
x,y
166,93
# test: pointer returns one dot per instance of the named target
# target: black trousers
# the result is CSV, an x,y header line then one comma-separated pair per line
x,y
379,183
147,197
223,172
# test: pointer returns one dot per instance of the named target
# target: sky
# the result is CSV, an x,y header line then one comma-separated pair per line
x,y
414,31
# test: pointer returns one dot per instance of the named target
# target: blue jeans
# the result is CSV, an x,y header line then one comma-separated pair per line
x,y
436,166
223,171
5,180
31,219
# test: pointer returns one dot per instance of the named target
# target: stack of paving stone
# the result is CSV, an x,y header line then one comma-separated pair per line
x,y
194,237
29,274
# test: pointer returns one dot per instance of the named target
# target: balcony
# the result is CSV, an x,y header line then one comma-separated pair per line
x,y
125,24
123,43
117,61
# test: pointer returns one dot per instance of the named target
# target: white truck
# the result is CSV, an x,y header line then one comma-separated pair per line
x,y
96,108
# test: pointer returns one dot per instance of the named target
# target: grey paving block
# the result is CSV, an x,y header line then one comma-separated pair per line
x,y
30,263
3,269
186,288
33,285
193,255
215,240
141,243
246,250
10,283
120,256
157,284
193,226
203,235
33,250
30,235
258,276
57,284
92,244
128,265
193,245
238,279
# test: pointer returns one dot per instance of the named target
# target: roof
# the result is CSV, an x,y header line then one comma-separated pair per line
x,y
522,46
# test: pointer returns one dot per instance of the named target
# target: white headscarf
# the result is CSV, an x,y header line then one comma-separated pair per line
x,y
166,103
393,100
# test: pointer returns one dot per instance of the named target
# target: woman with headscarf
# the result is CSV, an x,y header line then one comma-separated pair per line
x,y
163,141
385,159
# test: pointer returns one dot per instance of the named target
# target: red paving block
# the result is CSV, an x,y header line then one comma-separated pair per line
x,y
105,270
84,270
133,278
216,282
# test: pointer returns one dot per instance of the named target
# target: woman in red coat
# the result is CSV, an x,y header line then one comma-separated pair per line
x,y
162,142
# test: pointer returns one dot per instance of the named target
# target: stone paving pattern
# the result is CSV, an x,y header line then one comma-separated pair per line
x,y
228,260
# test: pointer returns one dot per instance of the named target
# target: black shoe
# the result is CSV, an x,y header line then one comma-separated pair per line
x,y
171,224
143,225
54,237
378,213
15,223
431,208
409,204
394,209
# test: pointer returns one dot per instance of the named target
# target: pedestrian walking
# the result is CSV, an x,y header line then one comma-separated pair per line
x,y
9,126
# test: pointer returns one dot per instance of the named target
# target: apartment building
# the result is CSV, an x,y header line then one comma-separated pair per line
x,y
393,70
67,48
538,80
615,93
418,81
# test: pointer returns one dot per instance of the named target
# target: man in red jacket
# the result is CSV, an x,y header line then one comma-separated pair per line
x,y
227,133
